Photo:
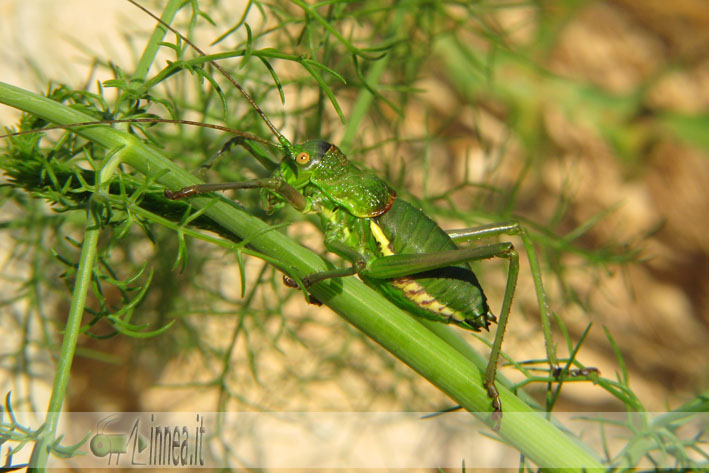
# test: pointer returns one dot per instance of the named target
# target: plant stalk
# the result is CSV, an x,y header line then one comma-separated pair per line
x,y
407,339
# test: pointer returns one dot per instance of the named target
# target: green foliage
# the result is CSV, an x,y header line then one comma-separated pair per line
x,y
137,266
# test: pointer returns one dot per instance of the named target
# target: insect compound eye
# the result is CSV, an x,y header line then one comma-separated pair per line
x,y
302,158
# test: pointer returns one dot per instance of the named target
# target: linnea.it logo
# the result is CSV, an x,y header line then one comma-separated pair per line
x,y
140,439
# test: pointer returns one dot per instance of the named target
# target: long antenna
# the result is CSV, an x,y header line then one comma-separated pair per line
x,y
248,136
282,139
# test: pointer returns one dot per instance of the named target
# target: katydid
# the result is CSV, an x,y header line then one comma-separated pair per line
x,y
391,245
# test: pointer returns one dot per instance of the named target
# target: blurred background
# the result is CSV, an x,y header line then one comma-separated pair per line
x,y
595,114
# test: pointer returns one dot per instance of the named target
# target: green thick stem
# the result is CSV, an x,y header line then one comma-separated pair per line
x,y
407,339
41,451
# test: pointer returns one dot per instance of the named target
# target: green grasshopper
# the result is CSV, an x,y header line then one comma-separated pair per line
x,y
390,244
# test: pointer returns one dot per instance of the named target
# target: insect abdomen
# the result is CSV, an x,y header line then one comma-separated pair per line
x,y
450,294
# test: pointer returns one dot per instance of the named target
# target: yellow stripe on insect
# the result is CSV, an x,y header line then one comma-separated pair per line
x,y
382,240
412,290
